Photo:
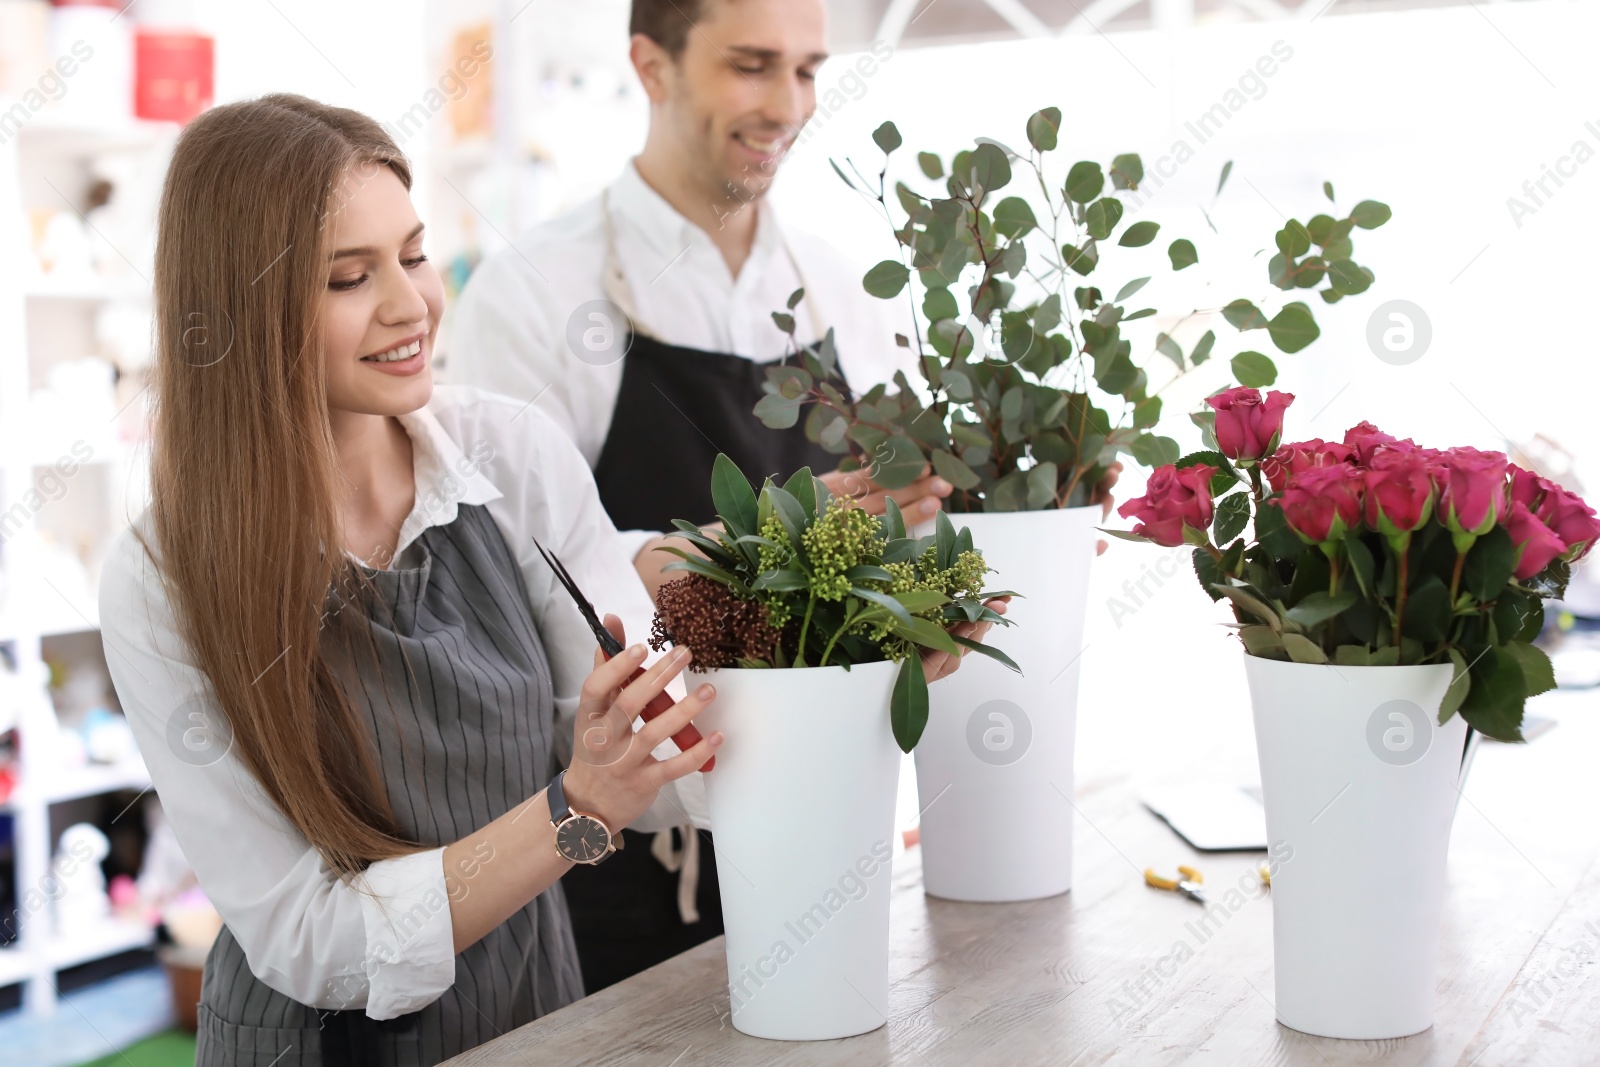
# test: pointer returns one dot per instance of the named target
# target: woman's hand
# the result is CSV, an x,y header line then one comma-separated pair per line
x,y
936,665
613,774
920,501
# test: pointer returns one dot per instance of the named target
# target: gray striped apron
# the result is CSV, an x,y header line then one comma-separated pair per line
x,y
463,717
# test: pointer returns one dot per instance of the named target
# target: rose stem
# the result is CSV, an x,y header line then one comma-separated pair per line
x,y
1400,599
1455,577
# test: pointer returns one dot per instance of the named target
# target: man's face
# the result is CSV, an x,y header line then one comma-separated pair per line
x,y
742,88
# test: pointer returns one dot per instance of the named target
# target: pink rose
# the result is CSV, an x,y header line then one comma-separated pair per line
x,y
1472,490
1570,519
1527,488
1247,426
1173,499
1399,492
1536,543
1364,438
1291,459
1321,503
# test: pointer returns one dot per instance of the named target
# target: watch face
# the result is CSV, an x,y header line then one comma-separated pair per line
x,y
582,839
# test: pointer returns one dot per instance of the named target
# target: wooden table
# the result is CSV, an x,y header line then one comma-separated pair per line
x,y
1078,979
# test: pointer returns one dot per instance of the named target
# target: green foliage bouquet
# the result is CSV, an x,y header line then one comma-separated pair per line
x,y
1027,424
798,578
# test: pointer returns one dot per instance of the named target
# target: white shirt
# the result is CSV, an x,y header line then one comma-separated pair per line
x,y
510,328
307,933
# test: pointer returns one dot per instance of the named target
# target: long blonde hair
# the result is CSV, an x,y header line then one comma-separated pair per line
x,y
243,471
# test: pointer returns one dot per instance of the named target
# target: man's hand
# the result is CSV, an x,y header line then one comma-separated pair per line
x,y
920,501
1102,496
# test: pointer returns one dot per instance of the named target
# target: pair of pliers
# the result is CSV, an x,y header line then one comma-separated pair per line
x,y
1189,883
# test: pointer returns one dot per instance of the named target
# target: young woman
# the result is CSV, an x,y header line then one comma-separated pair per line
x,y
353,678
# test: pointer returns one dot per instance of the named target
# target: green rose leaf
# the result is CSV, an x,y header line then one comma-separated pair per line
x,y
1182,253
1139,234
1460,682
1231,517
1044,127
1254,370
887,137
1427,611
1319,607
1538,676
1084,182
1494,703
887,279
1293,328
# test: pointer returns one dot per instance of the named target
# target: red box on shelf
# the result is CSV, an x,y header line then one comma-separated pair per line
x,y
173,74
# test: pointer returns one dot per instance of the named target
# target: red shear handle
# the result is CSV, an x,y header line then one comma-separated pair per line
x,y
686,738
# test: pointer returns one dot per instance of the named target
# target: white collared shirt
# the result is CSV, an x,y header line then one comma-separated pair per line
x,y
306,933
509,330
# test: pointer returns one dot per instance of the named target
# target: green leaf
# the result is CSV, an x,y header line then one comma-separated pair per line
x,y
1131,288
1044,127
1261,641
896,610
803,487
1293,328
939,304
1254,369
790,514
1244,601
733,497
1302,649
928,635
1102,216
1319,607
1370,214
986,650
1427,611
1182,253
895,522
1349,278
1227,169
887,279
1490,564
990,169
1152,451
1203,347
777,412
887,137
785,580
1327,188
897,462
953,470
931,165
1080,260
1360,559
1127,171
1084,182
696,565
1494,704
1231,516
1013,217
795,298
920,600
1460,682
1042,482
1169,348
1243,315
908,705
1293,240
1352,656
1538,676
1139,234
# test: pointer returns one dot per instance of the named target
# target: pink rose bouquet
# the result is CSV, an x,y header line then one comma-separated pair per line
x,y
1374,551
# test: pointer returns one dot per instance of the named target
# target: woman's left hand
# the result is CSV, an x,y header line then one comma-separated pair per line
x,y
936,665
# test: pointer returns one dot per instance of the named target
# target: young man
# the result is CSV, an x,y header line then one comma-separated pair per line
x,y
642,323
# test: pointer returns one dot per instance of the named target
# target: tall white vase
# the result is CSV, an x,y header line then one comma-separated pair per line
x,y
1360,786
802,815
994,767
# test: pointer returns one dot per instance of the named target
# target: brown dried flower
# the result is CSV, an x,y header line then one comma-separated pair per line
x,y
705,617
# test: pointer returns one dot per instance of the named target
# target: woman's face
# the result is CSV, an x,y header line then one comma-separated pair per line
x,y
381,309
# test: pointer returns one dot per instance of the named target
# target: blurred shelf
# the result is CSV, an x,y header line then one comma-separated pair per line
x,y
14,966
90,780
105,938
75,136
84,288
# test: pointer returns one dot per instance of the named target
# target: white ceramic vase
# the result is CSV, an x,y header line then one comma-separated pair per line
x,y
802,816
994,767
1360,784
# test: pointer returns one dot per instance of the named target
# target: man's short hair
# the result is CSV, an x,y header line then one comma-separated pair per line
x,y
667,22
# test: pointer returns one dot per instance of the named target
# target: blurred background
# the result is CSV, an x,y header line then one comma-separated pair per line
x,y
1477,122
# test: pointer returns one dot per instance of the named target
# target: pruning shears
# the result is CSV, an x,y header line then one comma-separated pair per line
x,y
1189,882
685,738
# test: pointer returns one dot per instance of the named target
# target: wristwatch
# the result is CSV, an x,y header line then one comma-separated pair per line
x,y
580,837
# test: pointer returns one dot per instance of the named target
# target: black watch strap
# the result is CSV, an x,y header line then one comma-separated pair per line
x,y
559,809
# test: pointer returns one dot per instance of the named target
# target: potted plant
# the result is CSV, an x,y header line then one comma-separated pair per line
x,y
1030,388
1387,599
811,618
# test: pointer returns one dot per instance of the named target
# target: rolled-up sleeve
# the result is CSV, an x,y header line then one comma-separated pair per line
x,y
382,942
